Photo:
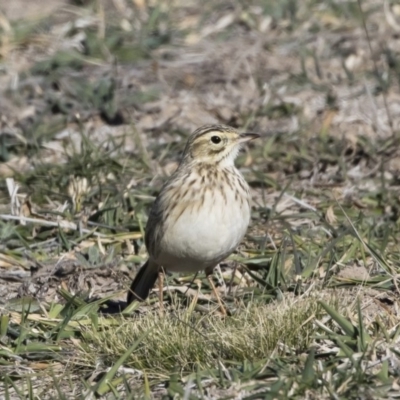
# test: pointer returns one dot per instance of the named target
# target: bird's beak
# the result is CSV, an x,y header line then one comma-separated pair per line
x,y
246,137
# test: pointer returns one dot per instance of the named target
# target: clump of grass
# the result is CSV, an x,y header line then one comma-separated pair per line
x,y
320,342
192,340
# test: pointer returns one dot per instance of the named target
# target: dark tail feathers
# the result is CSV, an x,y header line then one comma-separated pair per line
x,y
143,283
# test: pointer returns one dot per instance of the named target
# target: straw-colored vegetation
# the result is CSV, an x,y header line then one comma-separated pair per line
x,y
96,101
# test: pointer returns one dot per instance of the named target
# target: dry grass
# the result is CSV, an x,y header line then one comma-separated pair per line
x,y
190,341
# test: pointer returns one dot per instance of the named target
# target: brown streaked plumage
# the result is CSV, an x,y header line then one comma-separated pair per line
x,y
201,213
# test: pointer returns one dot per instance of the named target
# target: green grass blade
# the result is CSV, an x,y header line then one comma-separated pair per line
x,y
346,325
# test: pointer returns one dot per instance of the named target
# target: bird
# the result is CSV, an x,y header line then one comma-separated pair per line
x,y
200,215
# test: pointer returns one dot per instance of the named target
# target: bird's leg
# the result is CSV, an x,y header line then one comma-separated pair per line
x,y
220,277
161,290
216,294
191,283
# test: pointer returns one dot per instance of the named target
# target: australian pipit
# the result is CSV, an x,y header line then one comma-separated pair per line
x,y
201,213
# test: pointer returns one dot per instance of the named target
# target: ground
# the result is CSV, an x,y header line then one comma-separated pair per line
x,y
97,99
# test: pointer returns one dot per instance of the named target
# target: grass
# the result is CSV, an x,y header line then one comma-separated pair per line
x,y
96,121
295,344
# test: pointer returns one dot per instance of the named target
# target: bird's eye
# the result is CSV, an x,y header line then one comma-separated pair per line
x,y
215,139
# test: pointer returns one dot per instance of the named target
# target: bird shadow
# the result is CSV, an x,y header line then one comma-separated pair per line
x,y
109,306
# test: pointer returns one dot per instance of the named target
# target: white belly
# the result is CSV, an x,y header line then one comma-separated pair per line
x,y
205,233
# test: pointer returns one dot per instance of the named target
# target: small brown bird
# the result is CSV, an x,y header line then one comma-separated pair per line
x,y
202,212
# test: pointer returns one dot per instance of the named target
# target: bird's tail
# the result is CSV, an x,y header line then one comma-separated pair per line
x,y
143,282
